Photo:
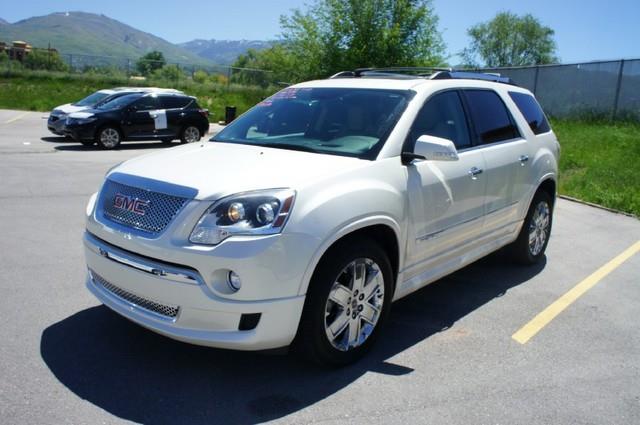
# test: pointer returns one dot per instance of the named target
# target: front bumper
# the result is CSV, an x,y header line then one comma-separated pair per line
x,y
176,301
56,125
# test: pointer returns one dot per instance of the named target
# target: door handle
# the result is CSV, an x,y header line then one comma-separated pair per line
x,y
182,114
523,159
473,172
153,115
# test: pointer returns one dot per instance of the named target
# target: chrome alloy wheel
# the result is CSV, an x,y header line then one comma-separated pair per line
x,y
539,228
191,134
109,137
354,304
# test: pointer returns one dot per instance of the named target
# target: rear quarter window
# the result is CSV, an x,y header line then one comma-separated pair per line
x,y
490,116
531,111
174,102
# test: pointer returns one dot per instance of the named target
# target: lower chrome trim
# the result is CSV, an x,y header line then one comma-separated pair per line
x,y
155,268
167,313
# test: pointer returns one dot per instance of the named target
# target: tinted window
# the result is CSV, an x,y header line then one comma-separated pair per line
x,y
92,99
338,121
531,111
490,116
146,103
173,102
118,102
442,116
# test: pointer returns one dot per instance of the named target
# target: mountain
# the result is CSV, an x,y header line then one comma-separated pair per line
x,y
91,34
223,52
3,22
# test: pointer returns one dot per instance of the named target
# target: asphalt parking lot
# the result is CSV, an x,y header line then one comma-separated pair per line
x,y
448,354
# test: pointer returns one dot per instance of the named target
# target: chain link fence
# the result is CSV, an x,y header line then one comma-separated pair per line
x,y
607,89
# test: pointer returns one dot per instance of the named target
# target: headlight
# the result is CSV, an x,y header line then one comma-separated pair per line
x,y
85,120
263,212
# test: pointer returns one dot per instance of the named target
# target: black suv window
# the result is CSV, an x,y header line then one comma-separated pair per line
x,y
174,102
531,111
492,120
146,103
442,116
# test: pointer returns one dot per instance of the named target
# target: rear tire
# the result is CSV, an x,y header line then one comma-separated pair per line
x,y
348,301
108,137
190,134
534,236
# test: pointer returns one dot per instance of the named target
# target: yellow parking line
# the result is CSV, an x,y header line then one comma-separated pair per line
x,y
529,330
14,119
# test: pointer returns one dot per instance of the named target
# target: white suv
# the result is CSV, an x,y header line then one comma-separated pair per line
x,y
303,220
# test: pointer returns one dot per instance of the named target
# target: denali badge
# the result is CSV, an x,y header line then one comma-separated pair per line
x,y
130,203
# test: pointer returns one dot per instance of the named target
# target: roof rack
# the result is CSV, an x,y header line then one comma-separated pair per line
x,y
407,72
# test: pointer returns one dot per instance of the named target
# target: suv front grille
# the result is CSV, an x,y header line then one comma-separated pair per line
x,y
138,208
166,311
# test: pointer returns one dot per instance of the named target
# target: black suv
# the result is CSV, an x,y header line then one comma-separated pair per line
x,y
139,116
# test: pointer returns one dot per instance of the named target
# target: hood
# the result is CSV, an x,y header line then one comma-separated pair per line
x,y
218,169
69,108
81,115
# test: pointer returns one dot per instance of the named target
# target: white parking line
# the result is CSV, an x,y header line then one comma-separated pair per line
x,y
16,118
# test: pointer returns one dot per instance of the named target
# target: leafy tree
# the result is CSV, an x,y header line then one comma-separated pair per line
x,y
168,72
337,35
510,40
151,62
48,60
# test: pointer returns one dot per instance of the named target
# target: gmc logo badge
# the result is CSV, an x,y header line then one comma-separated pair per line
x,y
130,203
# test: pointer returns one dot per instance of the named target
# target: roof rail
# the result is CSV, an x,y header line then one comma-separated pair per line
x,y
392,72
471,75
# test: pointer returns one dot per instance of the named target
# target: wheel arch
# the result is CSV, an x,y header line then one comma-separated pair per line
x,y
383,230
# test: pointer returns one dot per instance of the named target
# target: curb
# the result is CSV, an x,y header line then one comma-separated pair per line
x,y
591,204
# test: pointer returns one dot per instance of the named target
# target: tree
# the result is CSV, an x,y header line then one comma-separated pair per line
x,y
510,40
48,60
337,35
150,62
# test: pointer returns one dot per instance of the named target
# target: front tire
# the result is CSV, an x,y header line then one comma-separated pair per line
x,y
190,134
534,236
348,301
108,137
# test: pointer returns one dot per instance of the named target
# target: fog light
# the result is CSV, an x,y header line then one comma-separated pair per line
x,y
234,281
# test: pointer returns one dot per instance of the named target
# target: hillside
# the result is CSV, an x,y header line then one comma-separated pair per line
x,y
3,22
223,52
91,34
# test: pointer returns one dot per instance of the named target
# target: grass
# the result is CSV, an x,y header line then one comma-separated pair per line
x,y
599,162
43,90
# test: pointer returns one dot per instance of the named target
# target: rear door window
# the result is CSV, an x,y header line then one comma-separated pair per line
x,y
174,102
491,118
531,111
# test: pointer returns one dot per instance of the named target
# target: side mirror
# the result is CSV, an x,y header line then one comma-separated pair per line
x,y
431,148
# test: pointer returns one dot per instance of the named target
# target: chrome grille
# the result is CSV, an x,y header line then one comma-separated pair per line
x,y
167,311
157,214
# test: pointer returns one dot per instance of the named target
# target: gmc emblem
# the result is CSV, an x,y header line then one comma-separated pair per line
x,y
130,203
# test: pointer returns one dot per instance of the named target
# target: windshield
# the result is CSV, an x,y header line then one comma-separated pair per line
x,y
338,121
92,99
118,102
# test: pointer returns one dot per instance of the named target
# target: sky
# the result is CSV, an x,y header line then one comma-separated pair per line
x,y
586,30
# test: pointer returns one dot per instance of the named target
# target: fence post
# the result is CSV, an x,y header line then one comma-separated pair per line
x,y
71,62
535,80
618,86
228,76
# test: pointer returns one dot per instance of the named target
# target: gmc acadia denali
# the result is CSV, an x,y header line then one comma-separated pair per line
x,y
303,220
